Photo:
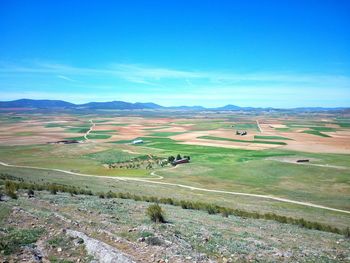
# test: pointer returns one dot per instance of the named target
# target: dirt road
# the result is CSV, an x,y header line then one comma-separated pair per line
x,y
157,177
259,127
88,132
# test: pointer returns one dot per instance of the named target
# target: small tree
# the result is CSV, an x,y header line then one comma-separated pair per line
x,y
178,157
171,159
155,213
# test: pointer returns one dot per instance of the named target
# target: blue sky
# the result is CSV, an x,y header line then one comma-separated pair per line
x,y
211,53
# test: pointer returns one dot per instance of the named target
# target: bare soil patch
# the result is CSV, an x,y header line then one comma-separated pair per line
x,y
312,143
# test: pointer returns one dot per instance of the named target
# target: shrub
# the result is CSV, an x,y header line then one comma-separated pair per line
x,y
145,234
347,232
58,241
54,189
154,241
110,194
168,201
88,192
225,212
10,188
184,204
155,213
211,209
30,193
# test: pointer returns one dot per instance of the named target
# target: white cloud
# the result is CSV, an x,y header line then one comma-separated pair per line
x,y
133,82
148,75
65,78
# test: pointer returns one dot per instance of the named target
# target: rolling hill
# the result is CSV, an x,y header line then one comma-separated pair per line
x,y
122,105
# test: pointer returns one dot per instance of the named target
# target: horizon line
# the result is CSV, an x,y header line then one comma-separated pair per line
x,y
204,107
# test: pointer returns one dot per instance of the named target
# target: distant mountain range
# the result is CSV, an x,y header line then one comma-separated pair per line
x,y
122,105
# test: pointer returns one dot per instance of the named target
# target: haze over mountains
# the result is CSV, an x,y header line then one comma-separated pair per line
x,y
122,105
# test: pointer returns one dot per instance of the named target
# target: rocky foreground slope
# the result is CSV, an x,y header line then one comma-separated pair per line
x,y
65,228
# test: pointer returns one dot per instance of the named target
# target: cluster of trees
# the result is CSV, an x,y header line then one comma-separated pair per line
x,y
122,165
178,157
12,186
145,161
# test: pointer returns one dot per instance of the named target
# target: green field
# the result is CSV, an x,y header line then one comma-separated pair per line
x,y
344,124
77,130
98,136
270,137
244,141
78,138
165,134
317,133
122,142
54,125
103,131
246,126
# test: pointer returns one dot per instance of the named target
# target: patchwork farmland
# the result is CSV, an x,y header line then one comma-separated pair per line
x,y
258,172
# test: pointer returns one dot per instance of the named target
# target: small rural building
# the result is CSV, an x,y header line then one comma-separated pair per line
x,y
137,141
183,160
241,133
303,161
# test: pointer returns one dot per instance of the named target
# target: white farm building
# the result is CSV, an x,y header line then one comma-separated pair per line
x,y
137,141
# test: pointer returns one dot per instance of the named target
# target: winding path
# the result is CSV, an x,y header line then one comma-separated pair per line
x,y
157,177
88,132
259,127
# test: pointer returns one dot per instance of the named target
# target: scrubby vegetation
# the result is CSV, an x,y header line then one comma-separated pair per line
x,y
12,186
210,208
11,239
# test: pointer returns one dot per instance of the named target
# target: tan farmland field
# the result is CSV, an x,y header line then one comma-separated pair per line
x,y
35,131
